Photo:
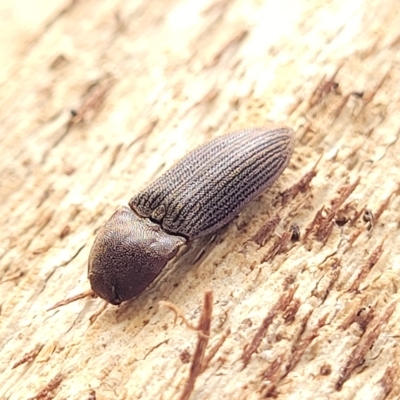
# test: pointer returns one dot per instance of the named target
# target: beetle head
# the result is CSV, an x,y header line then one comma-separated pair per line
x,y
128,254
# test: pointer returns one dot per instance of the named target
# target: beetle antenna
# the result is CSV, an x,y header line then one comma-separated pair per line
x,y
88,293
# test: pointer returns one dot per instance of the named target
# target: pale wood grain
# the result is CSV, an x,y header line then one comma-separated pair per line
x,y
311,319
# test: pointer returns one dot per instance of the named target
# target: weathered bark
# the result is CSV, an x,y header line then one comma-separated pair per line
x,y
313,318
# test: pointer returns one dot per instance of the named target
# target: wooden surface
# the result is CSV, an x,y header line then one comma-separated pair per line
x,y
315,318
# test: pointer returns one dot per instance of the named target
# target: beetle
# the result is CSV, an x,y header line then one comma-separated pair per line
x,y
204,191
